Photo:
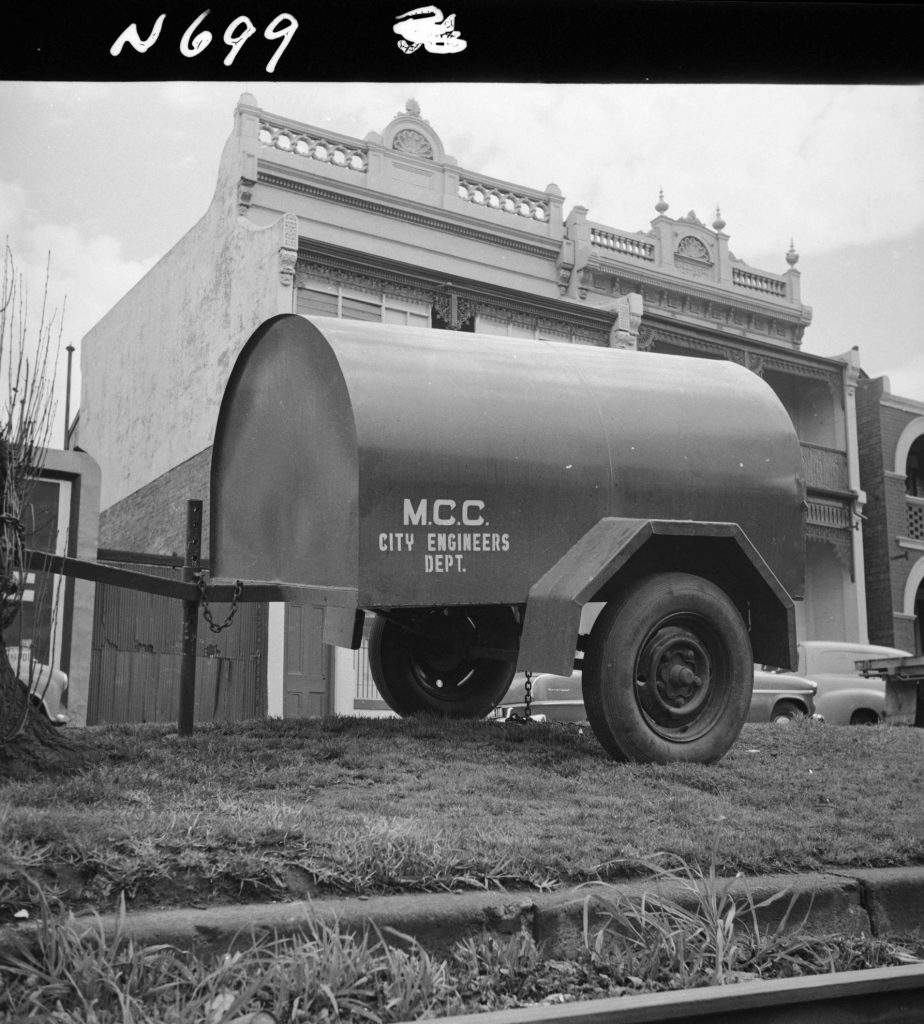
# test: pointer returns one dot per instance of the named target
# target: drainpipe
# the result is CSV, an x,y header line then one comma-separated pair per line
x,y
67,399
851,377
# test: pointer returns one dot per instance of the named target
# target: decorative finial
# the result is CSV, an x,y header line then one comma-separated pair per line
x,y
412,107
718,223
660,205
792,257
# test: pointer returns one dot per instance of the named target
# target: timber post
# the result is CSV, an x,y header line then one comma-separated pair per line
x,y
191,568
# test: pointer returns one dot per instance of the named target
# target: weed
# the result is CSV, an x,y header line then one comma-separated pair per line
x,y
686,929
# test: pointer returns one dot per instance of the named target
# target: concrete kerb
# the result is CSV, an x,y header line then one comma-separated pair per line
x,y
878,902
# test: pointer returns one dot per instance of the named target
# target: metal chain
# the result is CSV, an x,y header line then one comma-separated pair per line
x,y
526,717
206,611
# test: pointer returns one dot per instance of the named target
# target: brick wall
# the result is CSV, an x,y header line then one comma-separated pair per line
x,y
894,422
153,518
879,428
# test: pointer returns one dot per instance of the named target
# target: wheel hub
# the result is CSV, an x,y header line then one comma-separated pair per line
x,y
439,659
674,676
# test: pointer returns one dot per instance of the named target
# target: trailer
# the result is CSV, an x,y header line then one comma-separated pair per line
x,y
473,494
904,687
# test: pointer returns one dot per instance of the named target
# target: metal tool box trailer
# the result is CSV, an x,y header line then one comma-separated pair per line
x,y
474,493
904,687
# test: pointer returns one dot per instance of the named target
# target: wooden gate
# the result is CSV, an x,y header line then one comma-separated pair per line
x,y
137,654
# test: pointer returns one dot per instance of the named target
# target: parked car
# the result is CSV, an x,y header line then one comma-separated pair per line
x,y
776,698
844,696
47,685
782,698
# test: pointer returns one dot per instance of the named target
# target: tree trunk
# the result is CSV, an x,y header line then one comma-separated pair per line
x,y
29,743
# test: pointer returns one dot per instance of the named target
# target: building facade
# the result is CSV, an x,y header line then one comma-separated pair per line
x,y
892,473
392,229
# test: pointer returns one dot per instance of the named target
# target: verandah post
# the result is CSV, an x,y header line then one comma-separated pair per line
x,y
187,703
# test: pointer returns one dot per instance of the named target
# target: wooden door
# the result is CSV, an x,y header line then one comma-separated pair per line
x,y
307,665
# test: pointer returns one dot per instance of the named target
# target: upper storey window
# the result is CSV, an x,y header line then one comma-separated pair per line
x,y
350,304
914,469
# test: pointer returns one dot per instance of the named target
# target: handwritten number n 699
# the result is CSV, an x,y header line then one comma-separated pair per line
x,y
237,33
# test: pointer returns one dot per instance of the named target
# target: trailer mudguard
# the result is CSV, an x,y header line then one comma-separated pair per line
x,y
616,551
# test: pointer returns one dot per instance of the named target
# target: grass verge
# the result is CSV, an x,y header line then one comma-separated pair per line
x,y
649,944
287,809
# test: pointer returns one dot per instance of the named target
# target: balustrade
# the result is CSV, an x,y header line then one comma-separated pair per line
x,y
313,147
825,467
622,244
915,508
493,197
758,283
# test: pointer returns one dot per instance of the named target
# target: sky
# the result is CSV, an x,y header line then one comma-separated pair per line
x,y
107,176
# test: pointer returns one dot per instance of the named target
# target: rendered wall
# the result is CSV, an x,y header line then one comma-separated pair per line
x,y
154,368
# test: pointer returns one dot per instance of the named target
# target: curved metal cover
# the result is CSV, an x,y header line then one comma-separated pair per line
x,y
428,467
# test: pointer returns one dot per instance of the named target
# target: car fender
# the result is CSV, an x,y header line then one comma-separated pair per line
x,y
837,705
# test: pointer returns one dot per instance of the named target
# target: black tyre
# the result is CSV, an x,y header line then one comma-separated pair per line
x,y
785,711
429,662
668,672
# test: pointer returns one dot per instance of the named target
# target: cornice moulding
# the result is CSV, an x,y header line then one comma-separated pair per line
x,y
665,280
386,205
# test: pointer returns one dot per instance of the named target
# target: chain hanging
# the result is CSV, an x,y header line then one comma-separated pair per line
x,y
206,611
526,717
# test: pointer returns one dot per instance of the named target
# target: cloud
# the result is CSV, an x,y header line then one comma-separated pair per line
x,y
86,275
827,165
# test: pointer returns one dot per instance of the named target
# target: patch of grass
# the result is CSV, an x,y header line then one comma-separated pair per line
x,y
325,974
288,809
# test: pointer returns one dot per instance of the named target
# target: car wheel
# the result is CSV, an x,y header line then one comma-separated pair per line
x,y
668,672
864,716
785,711
425,661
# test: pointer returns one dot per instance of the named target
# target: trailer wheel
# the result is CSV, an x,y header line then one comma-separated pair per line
x,y
668,672
429,661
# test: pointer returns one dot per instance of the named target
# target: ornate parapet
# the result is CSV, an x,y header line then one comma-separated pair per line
x,y
307,143
631,246
764,284
684,269
404,172
499,198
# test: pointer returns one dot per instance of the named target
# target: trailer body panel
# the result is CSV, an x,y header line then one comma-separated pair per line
x,y
439,468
